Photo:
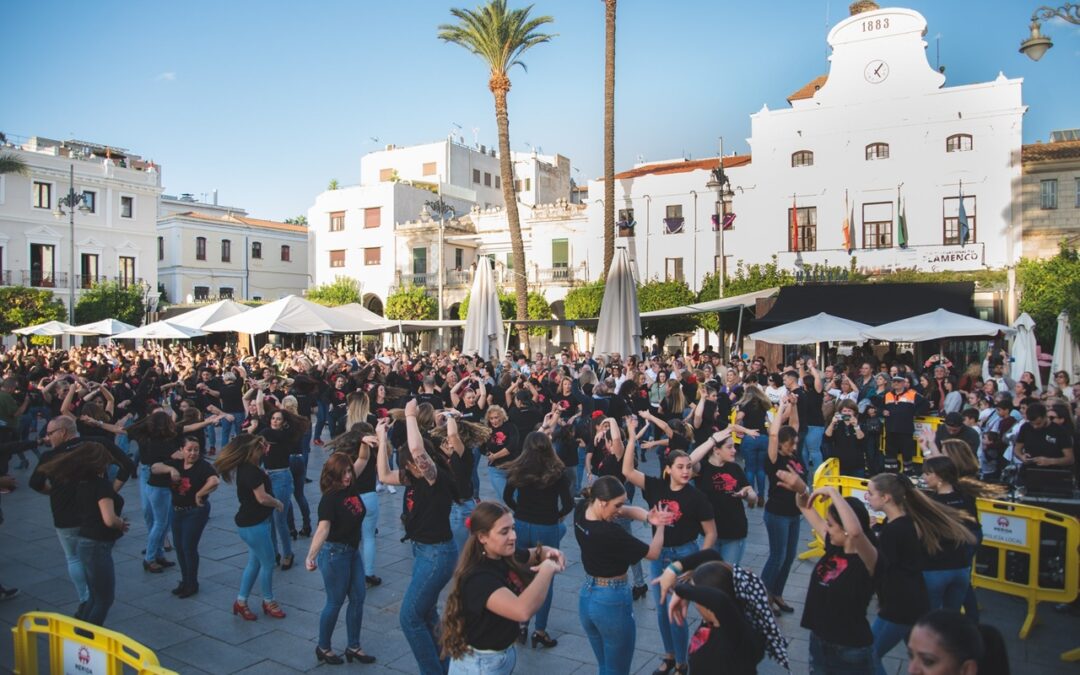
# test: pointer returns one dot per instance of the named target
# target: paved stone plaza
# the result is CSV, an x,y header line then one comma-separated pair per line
x,y
200,635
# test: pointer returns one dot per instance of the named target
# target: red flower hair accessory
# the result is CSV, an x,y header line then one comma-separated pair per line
x,y
597,413
468,523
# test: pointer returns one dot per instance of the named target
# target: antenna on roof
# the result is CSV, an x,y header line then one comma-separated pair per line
x,y
937,48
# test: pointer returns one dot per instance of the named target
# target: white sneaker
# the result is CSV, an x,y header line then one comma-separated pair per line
x,y
391,489
379,487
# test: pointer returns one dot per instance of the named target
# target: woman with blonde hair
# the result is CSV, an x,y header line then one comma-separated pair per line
x,y
501,447
298,469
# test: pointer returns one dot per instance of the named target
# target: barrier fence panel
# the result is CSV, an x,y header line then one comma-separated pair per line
x,y
79,647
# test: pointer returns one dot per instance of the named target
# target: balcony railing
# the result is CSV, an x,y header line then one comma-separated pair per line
x,y
458,277
503,278
555,275
88,280
39,279
5,278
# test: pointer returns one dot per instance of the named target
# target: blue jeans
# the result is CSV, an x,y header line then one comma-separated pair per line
x,y
298,469
160,501
529,536
96,558
187,529
810,448
458,514
498,482
226,430
580,468
485,663
367,530
433,565
320,418
947,588
827,658
635,568
260,562
886,636
607,615
731,550
676,638
281,484
971,604
783,545
343,575
754,451
69,541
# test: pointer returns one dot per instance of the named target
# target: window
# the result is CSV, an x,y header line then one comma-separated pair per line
x,y
226,250
459,258
337,221
476,176
498,183
127,207
225,293
877,225
161,248
673,269
419,261
43,265
1048,194
127,271
286,254
673,221
42,195
877,151
256,250
951,220
807,228
528,184
90,200
958,143
372,217
88,269
560,253
386,175
201,293
802,158
337,258
373,256
200,248
430,168
509,260
487,179
625,222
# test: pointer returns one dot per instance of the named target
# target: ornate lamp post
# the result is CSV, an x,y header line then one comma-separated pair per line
x,y
1037,43
72,201
721,184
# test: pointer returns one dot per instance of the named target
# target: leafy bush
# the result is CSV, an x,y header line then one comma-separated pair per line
x,y
342,291
21,307
411,303
657,294
1048,287
110,300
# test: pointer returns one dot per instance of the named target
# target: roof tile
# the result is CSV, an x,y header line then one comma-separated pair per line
x,y
684,166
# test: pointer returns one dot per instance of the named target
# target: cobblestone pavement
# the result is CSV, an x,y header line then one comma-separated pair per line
x,y
199,634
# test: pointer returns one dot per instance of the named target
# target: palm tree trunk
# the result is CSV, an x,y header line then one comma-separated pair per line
x,y
500,86
609,134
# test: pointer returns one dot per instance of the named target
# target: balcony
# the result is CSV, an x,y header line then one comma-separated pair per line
x,y
5,278
424,280
458,277
88,280
556,275
39,279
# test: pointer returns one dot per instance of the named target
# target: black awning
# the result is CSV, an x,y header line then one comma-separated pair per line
x,y
874,303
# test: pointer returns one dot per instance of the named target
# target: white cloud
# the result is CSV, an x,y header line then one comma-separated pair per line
x,y
167,76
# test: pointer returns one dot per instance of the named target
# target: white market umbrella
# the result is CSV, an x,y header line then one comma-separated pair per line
x,y
821,327
1025,358
291,314
1066,352
160,330
363,320
937,325
207,314
619,329
48,329
483,325
104,327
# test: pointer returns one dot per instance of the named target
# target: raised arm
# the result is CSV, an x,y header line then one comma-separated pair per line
x,y
702,451
630,472
416,445
452,435
818,384
660,424
382,465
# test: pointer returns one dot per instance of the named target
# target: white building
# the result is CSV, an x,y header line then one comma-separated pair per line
x,y
114,231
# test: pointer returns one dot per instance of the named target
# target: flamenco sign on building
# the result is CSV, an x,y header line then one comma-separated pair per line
x,y
1004,529
79,659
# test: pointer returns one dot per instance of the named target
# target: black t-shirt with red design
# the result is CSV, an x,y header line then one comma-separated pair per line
x,y
568,407
721,484
485,629
689,506
781,500
734,642
503,437
427,507
837,597
192,480
607,550
344,510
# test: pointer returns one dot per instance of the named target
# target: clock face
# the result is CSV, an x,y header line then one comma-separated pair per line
x,y
876,71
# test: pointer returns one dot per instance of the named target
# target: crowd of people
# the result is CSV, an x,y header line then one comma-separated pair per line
x,y
567,440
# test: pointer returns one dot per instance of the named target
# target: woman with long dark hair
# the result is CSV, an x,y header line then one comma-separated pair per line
x,y
282,434
948,573
944,642
753,413
361,445
538,493
782,517
159,441
497,586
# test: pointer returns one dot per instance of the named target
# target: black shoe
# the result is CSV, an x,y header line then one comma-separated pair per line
x,y
287,562
8,593
542,638
360,656
640,591
305,531
308,480
328,657
523,634
165,563
292,534
668,667
180,588
372,581
152,567
188,591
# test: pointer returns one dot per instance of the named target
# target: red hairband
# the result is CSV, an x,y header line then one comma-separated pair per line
x,y
597,413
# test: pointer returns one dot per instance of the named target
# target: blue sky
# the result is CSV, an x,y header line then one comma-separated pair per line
x,y
267,101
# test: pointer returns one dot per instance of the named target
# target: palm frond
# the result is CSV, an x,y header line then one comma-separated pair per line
x,y
12,163
497,35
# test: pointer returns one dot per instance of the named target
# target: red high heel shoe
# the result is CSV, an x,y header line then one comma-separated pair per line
x,y
272,609
244,611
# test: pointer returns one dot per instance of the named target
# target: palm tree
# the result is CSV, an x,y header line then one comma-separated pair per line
x,y
500,37
12,163
609,134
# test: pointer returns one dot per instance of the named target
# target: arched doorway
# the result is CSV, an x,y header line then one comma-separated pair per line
x,y
373,303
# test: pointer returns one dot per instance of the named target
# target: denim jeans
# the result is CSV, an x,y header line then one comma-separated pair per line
x,y
731,550
886,636
754,451
320,418
433,565
810,448
367,530
947,588
485,663
96,558
160,501
281,484
498,482
676,638
783,545
635,568
187,529
343,575
827,658
69,541
607,615
458,514
580,471
226,429
298,469
971,604
260,564
529,536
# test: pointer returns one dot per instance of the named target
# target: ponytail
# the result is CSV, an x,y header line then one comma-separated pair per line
x,y
934,523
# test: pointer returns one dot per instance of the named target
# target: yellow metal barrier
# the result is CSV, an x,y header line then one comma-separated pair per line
x,y
827,473
930,422
79,647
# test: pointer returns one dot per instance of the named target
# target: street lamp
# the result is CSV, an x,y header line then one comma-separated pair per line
x,y
72,200
1037,44
721,184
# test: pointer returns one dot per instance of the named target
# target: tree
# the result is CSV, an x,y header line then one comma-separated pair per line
x,y
333,184
342,291
658,294
21,306
500,37
584,302
411,303
110,300
298,220
609,135
1048,287
12,163
507,306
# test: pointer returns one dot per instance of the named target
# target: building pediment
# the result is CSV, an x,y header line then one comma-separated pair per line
x,y
90,242
43,233
127,245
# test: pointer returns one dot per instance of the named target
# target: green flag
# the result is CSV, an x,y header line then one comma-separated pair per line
x,y
901,229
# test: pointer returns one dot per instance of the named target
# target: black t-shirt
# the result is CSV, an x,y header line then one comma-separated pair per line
x,y
87,495
485,629
607,550
689,505
365,482
735,642
433,398
1045,442
471,413
568,405
720,484
192,480
344,510
955,555
155,450
754,416
837,597
248,478
525,419
848,449
810,414
232,397
427,508
540,505
281,445
781,500
504,437
901,589
604,463
461,467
